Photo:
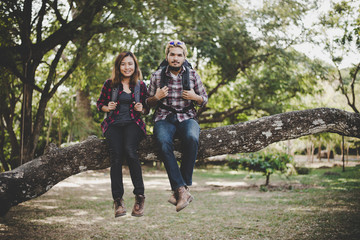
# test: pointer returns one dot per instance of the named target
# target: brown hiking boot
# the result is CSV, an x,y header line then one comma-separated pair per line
x,y
138,209
172,199
183,197
119,207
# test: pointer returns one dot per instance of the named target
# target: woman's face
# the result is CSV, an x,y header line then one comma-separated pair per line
x,y
127,66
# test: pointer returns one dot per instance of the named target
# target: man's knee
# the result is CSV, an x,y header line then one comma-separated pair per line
x,y
191,138
163,137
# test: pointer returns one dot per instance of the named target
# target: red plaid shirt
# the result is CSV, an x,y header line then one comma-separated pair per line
x,y
105,98
174,98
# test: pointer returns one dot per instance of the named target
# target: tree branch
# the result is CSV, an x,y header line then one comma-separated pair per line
x,y
342,87
57,13
221,116
39,25
39,175
353,87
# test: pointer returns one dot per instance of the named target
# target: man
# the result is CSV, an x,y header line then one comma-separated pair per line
x,y
175,114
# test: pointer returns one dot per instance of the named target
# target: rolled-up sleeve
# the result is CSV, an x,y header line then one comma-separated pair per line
x,y
153,85
105,95
200,90
144,94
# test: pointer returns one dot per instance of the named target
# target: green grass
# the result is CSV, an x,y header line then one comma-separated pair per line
x,y
228,205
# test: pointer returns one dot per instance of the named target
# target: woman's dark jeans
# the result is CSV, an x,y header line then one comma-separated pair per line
x,y
123,143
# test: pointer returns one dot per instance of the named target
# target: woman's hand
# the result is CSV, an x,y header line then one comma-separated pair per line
x,y
112,106
138,107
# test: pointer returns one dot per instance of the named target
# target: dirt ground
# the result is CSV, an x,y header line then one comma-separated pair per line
x,y
227,205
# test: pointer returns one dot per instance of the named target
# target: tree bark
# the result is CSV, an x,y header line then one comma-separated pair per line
x,y
39,175
267,179
83,103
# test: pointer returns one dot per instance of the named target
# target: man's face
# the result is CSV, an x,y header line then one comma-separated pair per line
x,y
176,57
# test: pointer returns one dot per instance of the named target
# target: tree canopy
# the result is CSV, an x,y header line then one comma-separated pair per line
x,y
57,54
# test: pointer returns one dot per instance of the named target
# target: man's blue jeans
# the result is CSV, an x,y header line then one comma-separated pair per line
x,y
188,131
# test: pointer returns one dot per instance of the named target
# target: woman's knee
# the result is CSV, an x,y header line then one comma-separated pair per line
x,y
116,161
131,150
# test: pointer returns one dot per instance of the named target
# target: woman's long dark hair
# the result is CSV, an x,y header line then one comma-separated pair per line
x,y
116,74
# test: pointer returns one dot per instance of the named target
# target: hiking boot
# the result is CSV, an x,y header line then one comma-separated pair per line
x,y
138,209
119,207
183,197
172,199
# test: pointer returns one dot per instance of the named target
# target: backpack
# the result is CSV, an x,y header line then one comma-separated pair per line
x,y
115,92
164,81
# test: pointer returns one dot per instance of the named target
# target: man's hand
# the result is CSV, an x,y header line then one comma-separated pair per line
x,y
162,92
191,95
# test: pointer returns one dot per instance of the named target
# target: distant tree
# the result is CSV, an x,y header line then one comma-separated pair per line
x,y
341,36
267,163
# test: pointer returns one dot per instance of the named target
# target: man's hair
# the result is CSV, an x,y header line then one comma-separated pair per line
x,y
175,43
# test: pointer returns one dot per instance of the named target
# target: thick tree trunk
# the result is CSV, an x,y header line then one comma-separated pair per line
x,y
83,113
83,103
41,174
26,145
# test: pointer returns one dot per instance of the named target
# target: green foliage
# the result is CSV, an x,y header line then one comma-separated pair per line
x,y
243,56
252,73
343,45
303,170
267,163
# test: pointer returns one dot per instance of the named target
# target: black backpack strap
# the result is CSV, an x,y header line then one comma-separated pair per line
x,y
114,95
163,64
186,79
173,110
137,92
164,81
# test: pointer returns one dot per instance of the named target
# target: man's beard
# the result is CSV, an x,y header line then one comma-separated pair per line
x,y
175,69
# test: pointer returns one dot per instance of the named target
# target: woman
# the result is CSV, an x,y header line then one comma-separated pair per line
x,y
124,129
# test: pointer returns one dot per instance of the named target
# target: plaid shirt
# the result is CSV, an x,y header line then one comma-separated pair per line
x,y
105,98
174,98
